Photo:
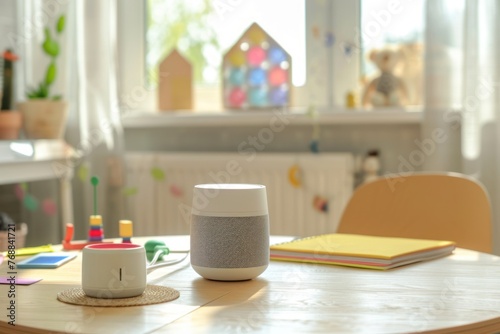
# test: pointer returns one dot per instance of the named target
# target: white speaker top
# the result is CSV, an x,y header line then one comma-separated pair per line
x,y
229,200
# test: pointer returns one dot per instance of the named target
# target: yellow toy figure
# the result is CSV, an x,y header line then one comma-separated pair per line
x,y
125,231
350,100
386,89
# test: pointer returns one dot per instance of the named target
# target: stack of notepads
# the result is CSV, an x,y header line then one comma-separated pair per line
x,y
361,250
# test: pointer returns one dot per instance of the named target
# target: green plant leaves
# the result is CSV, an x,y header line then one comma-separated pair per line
x,y
41,92
44,90
50,46
50,75
60,24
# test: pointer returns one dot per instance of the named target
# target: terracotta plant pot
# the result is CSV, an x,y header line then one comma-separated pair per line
x,y
10,124
44,119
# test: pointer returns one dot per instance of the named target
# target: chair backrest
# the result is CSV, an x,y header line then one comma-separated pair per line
x,y
448,206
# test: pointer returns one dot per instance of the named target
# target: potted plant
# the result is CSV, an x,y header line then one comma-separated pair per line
x,y
10,120
44,114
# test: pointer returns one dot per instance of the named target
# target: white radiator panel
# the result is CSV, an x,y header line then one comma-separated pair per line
x,y
161,206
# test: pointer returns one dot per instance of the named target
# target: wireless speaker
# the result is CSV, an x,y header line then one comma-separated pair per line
x,y
229,231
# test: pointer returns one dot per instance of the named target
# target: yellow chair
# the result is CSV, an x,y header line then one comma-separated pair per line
x,y
447,206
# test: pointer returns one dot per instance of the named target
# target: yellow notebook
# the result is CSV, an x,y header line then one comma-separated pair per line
x,y
361,250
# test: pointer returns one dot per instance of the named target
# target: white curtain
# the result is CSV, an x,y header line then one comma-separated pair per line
x,y
462,91
95,127
87,78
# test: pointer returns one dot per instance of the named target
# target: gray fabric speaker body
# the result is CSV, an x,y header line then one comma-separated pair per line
x,y
233,246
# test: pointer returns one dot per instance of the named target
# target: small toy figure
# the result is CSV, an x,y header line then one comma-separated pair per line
x,y
96,232
350,100
125,231
386,89
371,166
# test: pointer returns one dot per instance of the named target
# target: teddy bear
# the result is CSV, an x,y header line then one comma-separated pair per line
x,y
386,89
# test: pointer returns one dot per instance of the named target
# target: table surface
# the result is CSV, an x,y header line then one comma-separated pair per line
x,y
458,293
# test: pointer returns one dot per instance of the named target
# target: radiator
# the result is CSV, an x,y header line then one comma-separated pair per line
x,y
306,192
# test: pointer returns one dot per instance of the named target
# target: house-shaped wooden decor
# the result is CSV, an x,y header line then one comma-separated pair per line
x,y
175,87
256,72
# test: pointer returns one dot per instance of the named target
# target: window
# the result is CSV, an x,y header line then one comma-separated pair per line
x,y
400,26
203,30
328,42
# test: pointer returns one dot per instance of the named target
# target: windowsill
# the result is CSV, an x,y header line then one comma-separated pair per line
x,y
256,118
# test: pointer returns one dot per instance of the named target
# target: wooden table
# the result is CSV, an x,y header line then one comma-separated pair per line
x,y
459,293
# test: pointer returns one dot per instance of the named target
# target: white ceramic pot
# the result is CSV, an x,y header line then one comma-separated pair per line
x,y
44,118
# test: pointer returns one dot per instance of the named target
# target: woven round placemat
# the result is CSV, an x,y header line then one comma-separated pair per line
x,y
153,294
